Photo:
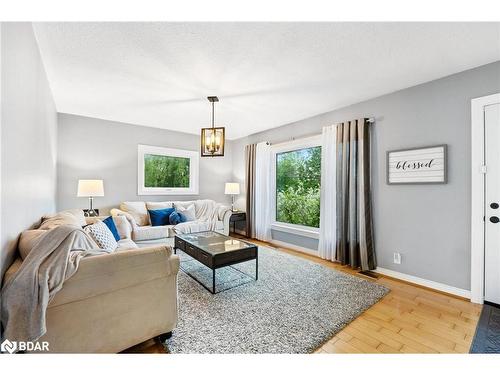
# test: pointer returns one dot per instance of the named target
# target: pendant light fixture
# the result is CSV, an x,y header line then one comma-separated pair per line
x,y
212,139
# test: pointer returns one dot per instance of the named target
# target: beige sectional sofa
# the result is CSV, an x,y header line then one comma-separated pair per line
x,y
113,301
210,215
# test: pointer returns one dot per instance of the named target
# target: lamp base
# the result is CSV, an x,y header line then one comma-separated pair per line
x,y
90,213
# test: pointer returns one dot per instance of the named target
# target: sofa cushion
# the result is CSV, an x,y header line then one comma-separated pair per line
x,y
27,240
137,210
109,222
101,234
126,244
160,217
151,233
187,213
60,218
191,227
219,225
158,205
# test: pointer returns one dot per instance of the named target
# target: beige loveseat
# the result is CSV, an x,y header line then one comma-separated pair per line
x,y
113,301
210,215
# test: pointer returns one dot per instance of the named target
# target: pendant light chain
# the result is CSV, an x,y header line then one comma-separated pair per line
x,y
213,115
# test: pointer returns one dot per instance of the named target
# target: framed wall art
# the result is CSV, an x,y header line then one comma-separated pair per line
x,y
422,165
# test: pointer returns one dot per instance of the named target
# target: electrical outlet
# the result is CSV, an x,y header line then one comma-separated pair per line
x,y
397,258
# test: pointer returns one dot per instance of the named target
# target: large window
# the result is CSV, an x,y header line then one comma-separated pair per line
x,y
165,171
297,185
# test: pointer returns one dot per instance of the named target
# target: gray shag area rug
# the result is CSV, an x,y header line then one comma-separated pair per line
x,y
294,307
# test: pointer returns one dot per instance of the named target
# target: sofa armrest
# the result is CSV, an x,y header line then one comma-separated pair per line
x,y
222,211
106,273
225,219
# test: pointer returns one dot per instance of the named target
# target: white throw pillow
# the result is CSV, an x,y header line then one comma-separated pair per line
x,y
101,234
189,212
138,211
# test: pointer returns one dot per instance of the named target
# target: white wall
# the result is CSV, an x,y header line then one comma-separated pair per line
x,y
28,142
428,224
93,148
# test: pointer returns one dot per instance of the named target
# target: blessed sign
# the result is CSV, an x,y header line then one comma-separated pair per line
x,y
426,165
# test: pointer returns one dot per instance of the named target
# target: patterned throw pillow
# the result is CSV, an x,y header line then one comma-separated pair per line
x,y
102,236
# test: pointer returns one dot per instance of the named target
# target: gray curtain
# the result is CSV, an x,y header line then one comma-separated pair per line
x,y
355,243
250,152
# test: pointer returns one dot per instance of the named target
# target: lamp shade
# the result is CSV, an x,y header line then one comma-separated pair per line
x,y
90,188
232,188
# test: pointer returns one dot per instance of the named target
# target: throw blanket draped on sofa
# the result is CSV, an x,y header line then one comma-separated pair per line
x,y
207,214
26,295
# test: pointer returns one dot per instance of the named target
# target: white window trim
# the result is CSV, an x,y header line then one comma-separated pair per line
x,y
194,169
298,144
300,230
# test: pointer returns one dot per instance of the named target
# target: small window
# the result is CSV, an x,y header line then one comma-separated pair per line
x,y
162,171
166,171
298,180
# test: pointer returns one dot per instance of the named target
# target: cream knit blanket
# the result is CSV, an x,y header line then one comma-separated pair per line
x,y
26,295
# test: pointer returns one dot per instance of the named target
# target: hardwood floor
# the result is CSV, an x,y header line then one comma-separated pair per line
x,y
410,319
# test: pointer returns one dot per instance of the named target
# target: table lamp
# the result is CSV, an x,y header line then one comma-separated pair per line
x,y
90,189
232,189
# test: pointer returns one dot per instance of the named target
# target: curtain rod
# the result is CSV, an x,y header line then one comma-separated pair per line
x,y
370,120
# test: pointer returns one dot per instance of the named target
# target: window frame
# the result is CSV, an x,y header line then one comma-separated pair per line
x,y
194,169
297,229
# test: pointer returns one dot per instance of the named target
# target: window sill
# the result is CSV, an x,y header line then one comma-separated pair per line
x,y
296,229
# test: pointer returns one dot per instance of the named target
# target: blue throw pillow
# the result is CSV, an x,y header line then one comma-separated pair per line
x,y
160,217
176,218
112,227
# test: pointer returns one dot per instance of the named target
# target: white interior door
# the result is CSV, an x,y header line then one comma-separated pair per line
x,y
492,204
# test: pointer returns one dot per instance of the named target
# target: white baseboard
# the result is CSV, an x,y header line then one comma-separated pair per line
x,y
427,283
384,271
293,247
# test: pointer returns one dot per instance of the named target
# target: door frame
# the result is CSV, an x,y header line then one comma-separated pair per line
x,y
478,172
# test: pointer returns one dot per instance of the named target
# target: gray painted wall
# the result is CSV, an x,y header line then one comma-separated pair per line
x,y
90,148
29,131
428,224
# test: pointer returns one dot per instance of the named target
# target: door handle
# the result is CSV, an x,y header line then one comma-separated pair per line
x,y
494,219
494,206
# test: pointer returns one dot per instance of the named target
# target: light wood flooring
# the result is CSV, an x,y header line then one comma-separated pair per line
x,y
410,319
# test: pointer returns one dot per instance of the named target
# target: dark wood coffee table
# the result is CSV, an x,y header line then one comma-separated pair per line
x,y
215,250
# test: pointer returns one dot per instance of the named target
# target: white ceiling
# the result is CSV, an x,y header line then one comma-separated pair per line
x,y
265,74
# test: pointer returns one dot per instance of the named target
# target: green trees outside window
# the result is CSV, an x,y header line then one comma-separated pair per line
x,y
166,171
298,180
